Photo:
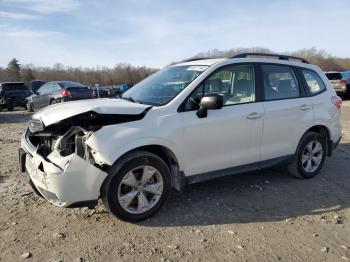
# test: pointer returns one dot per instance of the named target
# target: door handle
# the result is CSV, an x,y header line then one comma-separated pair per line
x,y
305,107
254,115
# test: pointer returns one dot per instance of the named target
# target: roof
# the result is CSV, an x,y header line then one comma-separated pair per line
x,y
249,57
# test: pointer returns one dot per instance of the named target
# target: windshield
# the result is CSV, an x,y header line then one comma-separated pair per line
x,y
161,87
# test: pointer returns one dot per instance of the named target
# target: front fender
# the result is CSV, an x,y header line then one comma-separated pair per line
x,y
110,156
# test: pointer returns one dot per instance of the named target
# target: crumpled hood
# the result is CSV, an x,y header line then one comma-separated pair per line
x,y
57,112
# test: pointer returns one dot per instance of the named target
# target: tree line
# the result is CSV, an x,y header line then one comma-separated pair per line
x,y
126,73
121,73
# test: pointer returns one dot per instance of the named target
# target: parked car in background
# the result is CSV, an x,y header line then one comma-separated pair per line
x,y
118,90
99,92
109,91
13,94
34,85
338,82
346,75
56,92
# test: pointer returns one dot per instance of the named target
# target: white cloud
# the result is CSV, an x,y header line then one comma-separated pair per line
x,y
18,32
19,16
47,6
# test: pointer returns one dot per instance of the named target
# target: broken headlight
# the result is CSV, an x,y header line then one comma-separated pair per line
x,y
35,125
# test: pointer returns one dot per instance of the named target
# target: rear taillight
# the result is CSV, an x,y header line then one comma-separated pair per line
x,y
344,81
337,101
65,93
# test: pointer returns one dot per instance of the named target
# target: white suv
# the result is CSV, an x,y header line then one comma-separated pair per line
x,y
190,122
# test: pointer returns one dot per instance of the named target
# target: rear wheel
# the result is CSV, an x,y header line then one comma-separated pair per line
x,y
138,188
53,102
309,157
10,108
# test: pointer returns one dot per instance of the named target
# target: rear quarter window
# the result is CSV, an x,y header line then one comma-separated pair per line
x,y
314,82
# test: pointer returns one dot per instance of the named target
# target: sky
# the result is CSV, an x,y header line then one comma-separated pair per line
x,y
154,33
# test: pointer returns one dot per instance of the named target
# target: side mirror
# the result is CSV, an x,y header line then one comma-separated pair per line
x,y
209,102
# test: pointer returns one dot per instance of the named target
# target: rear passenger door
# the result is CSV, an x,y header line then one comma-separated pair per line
x,y
287,111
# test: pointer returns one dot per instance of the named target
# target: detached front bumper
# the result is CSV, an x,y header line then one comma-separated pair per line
x,y
63,181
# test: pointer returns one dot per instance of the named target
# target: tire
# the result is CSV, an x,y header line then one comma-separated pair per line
x,y
309,157
53,102
30,107
10,108
1,108
127,196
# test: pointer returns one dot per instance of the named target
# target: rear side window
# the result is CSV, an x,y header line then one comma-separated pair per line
x,y
314,82
334,76
45,89
280,82
71,85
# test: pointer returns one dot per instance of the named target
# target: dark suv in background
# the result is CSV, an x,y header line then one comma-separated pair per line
x,y
56,92
13,94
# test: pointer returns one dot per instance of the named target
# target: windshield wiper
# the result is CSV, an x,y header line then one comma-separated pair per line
x,y
129,98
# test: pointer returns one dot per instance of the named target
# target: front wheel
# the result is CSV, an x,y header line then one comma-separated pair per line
x,y
138,187
310,156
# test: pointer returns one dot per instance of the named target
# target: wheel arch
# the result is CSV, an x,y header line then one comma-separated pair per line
x,y
324,132
168,156
163,152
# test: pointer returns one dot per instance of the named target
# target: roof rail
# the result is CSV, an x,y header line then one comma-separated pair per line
x,y
195,59
281,57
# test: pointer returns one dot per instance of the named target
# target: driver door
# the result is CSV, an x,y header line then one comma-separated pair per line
x,y
228,137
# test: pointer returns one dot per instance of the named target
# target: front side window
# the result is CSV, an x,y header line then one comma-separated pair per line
x,y
314,82
235,83
280,82
161,87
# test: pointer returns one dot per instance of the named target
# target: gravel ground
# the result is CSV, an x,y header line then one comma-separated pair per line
x,y
261,216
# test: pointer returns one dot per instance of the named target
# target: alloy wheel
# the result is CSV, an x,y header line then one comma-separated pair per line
x,y
140,189
312,156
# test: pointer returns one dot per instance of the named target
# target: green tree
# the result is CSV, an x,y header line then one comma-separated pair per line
x,y
13,70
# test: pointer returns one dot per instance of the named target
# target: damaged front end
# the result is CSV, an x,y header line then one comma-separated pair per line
x,y
61,166
55,153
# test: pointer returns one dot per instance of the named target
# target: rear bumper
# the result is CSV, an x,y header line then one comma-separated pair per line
x,y
63,181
